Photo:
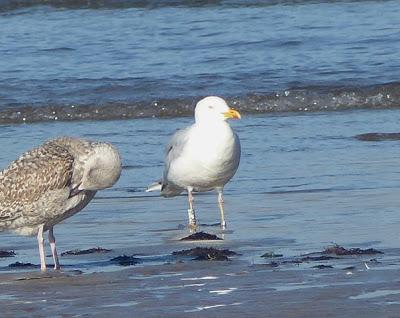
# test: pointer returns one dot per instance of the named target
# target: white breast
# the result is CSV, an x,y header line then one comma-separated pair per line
x,y
209,159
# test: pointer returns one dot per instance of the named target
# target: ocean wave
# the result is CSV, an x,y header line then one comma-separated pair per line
x,y
9,5
307,99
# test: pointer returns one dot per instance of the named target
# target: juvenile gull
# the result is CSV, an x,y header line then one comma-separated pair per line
x,y
203,156
53,182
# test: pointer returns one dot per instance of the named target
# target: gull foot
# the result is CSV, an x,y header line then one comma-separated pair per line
x,y
192,227
223,226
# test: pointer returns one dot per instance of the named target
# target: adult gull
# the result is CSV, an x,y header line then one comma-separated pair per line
x,y
53,182
203,156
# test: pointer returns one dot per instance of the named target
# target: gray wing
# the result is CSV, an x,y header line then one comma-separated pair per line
x,y
173,150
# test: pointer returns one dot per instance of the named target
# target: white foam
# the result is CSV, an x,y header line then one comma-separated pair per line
x,y
200,308
223,291
376,293
200,278
125,304
193,285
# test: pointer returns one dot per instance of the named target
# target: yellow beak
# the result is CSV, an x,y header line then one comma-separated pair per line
x,y
232,113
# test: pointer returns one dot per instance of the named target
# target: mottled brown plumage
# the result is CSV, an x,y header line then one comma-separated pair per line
x,y
52,182
51,164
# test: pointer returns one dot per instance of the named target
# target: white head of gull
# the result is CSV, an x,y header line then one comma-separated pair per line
x,y
53,182
203,156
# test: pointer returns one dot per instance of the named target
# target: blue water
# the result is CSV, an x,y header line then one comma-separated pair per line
x,y
129,52
299,171
304,182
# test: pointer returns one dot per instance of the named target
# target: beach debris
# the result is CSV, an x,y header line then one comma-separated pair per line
x,y
271,255
201,236
22,265
366,266
340,251
292,261
322,266
125,260
378,136
88,251
206,254
328,254
4,253
306,258
309,258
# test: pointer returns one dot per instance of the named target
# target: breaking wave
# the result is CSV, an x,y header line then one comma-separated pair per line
x,y
291,100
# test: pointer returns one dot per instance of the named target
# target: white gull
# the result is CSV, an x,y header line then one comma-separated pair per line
x,y
203,156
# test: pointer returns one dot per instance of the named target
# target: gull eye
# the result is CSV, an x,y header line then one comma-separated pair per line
x,y
210,107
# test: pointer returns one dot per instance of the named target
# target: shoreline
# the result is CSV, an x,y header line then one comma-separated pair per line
x,y
304,183
216,289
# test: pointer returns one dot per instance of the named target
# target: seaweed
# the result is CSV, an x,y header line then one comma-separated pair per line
x,y
378,136
4,253
201,236
271,255
341,251
322,266
22,265
88,251
292,261
125,260
317,258
206,254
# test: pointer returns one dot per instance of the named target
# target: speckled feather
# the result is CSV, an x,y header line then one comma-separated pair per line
x,y
36,172
35,189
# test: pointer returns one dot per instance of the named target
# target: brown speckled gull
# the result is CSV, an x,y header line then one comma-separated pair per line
x,y
53,182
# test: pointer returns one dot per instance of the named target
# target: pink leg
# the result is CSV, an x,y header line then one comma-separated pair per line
x,y
191,213
221,207
41,248
52,241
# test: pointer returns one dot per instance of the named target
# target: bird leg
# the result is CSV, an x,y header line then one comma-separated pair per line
x,y
52,241
221,208
41,248
191,213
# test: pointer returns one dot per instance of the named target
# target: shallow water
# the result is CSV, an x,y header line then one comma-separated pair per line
x,y
118,59
303,183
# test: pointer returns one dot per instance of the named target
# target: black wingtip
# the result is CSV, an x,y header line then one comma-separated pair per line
x,y
74,191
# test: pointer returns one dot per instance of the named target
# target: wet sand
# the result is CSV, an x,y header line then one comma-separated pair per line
x,y
304,183
207,289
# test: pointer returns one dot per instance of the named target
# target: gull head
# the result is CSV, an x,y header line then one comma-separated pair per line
x,y
214,108
102,169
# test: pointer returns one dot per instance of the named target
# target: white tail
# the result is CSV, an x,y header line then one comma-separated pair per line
x,y
155,186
